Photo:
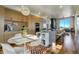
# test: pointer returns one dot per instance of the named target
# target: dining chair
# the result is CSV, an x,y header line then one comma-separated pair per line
x,y
8,49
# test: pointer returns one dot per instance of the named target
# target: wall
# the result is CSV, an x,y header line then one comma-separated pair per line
x,y
72,22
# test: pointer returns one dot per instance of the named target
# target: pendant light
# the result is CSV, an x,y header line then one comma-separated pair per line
x,y
25,11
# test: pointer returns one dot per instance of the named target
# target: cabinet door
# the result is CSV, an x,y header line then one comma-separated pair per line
x,y
52,37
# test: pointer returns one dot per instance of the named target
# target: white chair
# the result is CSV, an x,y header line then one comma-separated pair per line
x,y
21,50
7,49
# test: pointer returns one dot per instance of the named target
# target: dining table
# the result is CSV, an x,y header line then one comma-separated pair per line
x,y
18,39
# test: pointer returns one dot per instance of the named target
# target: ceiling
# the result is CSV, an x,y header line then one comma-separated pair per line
x,y
54,11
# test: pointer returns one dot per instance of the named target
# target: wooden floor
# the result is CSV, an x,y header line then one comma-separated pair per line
x,y
76,42
39,50
69,46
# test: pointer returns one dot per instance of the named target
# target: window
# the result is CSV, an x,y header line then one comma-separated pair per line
x,y
64,23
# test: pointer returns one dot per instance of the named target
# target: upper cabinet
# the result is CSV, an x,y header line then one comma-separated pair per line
x,y
12,15
24,18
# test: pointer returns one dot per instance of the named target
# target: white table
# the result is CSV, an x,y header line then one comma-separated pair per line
x,y
21,40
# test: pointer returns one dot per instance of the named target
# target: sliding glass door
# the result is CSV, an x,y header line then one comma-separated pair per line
x,y
64,23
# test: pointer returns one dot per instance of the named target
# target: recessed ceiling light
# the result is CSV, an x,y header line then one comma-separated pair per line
x,y
60,6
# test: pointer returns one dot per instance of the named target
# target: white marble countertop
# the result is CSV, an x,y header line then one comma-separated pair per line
x,y
30,36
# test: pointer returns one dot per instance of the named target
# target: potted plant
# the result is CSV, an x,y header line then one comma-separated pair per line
x,y
24,30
